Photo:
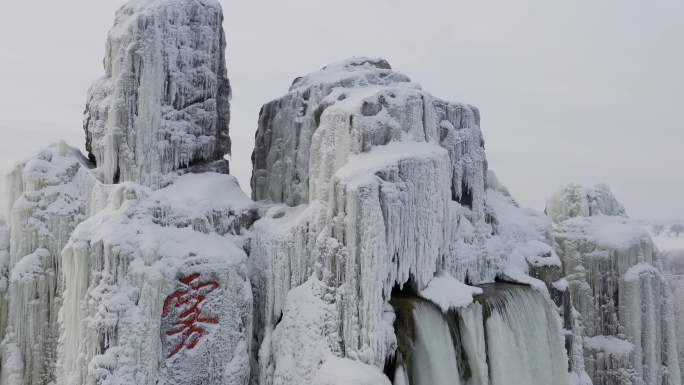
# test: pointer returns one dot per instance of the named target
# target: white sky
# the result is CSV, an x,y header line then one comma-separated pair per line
x,y
586,91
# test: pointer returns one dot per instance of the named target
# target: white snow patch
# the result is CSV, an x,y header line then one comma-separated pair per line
x,y
29,265
367,163
204,192
449,293
560,285
608,344
343,371
613,232
635,271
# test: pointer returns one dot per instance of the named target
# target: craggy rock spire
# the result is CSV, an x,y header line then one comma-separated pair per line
x,y
164,102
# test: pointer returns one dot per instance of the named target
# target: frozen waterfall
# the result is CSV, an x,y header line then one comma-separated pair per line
x,y
524,344
434,356
510,335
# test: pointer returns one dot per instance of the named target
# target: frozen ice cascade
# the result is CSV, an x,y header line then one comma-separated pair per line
x,y
621,304
510,335
377,248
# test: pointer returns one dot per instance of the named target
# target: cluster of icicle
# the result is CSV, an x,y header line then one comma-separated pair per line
x,y
622,308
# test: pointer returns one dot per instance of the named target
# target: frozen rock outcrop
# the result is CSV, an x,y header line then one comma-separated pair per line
x,y
613,274
375,186
164,102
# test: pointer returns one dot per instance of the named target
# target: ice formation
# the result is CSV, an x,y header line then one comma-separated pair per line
x,y
374,249
620,299
164,102
375,186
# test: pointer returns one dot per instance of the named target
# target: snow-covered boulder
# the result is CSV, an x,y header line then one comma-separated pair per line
x,y
157,289
612,270
164,102
50,194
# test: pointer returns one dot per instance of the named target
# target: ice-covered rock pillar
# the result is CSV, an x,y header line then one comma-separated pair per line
x,y
164,102
625,320
383,180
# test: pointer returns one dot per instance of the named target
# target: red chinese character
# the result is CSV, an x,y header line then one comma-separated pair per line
x,y
189,299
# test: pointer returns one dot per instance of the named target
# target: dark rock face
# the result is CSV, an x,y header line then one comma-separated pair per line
x,y
164,102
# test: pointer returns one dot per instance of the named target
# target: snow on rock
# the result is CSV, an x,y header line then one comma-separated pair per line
x,y
575,200
343,371
449,293
608,344
164,102
132,271
307,334
614,282
523,241
50,194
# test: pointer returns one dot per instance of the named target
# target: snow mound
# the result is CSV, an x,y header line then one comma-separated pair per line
x,y
449,293
635,272
608,344
343,371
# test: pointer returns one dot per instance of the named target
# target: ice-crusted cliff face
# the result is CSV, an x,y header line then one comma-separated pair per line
x,y
48,195
614,279
164,102
378,187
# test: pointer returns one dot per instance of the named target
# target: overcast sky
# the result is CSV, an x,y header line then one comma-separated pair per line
x,y
585,91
